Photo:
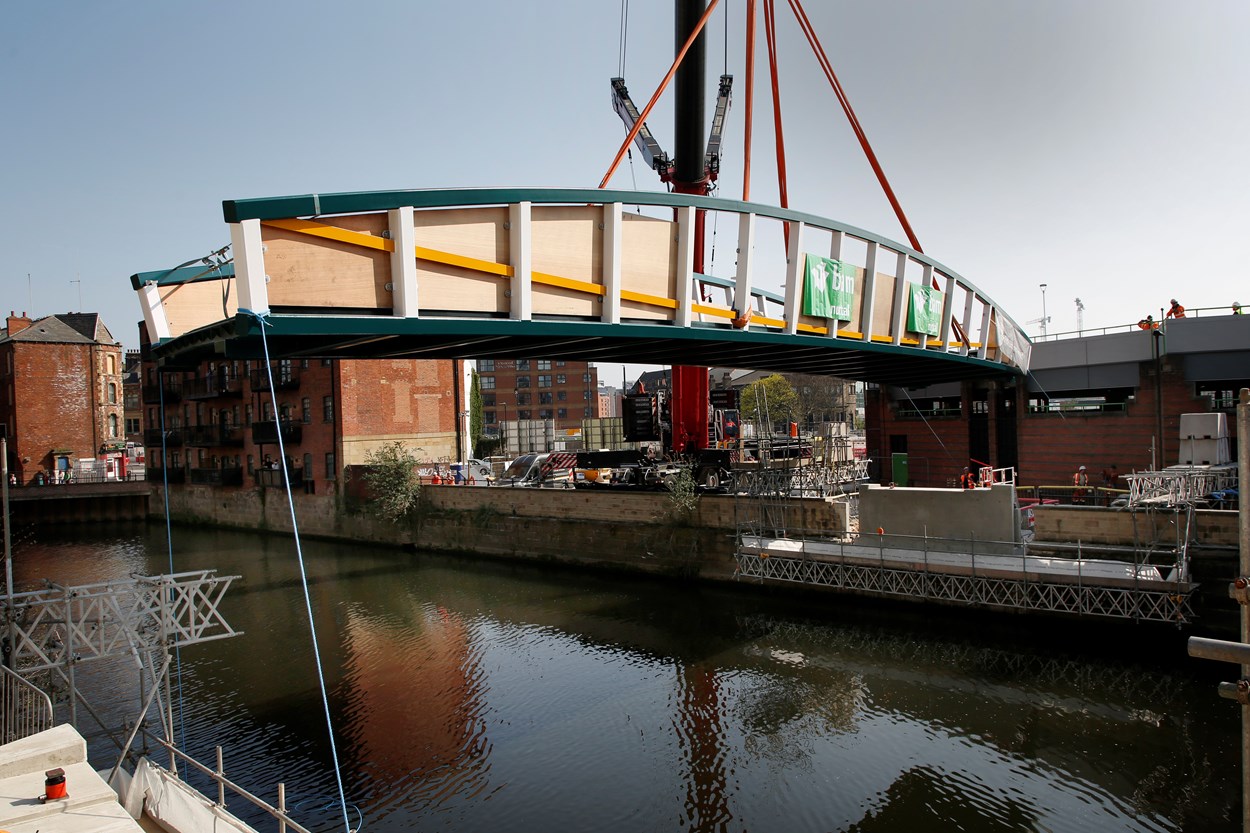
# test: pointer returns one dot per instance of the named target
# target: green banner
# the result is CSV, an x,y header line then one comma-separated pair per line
x,y
828,288
924,314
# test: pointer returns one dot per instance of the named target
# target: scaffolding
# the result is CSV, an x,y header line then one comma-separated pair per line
x,y
1142,600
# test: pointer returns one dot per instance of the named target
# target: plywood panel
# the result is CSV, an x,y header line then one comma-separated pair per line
x,y
883,305
568,241
649,255
307,271
556,300
445,288
630,309
189,306
471,232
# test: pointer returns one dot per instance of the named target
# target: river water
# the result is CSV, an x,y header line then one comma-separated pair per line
x,y
472,695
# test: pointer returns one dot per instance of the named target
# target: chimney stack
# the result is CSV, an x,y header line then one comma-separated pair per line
x,y
17,323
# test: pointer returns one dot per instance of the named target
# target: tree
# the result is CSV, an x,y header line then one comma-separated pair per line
x,y
392,480
769,401
475,410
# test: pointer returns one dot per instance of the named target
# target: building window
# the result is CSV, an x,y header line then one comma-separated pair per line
x,y
544,398
112,425
326,362
544,413
523,399
486,382
112,392
586,413
488,417
522,414
561,379
485,365
522,381
330,470
562,395
544,365
111,362
562,413
585,377
522,364
327,409
544,380
488,400
559,364
306,405
308,472
585,394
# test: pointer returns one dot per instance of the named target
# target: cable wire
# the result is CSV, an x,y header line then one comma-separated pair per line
x,y
286,479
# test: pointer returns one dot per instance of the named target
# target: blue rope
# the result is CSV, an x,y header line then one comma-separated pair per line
x,y
169,542
286,479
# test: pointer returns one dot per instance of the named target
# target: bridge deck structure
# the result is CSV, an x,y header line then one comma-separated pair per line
x,y
573,273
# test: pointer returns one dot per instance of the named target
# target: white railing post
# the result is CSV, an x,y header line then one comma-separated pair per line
x,y
249,266
746,258
612,237
794,277
403,263
948,310
867,308
521,241
899,320
835,253
154,317
684,286
967,321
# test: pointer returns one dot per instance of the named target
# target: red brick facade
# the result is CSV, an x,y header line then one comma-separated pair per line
x,y
220,426
1047,445
61,398
563,391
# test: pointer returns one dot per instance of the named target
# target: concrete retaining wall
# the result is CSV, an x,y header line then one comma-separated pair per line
x,y
983,514
1095,525
630,530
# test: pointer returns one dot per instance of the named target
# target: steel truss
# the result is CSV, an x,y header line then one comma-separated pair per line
x,y
1166,603
58,626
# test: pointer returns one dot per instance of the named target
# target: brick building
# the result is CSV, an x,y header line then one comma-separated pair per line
x,y
223,421
562,391
62,393
1099,401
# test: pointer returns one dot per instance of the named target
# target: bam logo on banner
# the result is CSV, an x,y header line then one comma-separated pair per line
x,y
924,314
828,288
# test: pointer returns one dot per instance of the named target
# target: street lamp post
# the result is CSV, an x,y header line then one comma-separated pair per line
x,y
1045,319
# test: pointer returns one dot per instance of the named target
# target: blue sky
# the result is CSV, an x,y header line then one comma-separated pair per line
x,y
1096,146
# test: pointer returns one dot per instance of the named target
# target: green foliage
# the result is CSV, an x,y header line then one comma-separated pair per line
x,y
392,480
484,447
475,409
769,401
683,496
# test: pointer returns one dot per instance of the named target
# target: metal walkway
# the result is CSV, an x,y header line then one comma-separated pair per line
x,y
586,274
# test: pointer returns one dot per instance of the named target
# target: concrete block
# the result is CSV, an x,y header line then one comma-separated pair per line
x,y
1204,426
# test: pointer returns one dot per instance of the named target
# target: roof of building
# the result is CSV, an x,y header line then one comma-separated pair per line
x,y
65,328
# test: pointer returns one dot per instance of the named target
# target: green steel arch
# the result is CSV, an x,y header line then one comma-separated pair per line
x,y
598,275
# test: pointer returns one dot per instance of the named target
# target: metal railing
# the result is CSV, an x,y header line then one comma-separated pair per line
x,y
218,776
25,710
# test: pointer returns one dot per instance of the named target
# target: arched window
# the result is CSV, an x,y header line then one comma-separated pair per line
x,y
112,425
112,393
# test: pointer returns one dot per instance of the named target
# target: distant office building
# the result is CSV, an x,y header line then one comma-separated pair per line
x,y
563,391
61,399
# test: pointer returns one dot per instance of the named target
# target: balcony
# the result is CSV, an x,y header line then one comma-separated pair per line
x,y
152,394
176,475
272,478
152,438
217,477
284,378
267,432
214,435
213,387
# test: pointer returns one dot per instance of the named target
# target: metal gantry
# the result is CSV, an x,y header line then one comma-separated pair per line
x,y
60,626
1166,602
